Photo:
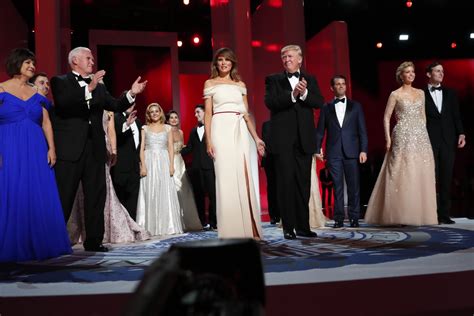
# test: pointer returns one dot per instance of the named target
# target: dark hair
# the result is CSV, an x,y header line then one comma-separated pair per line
x,y
430,67
199,106
15,60
38,74
168,115
333,79
228,54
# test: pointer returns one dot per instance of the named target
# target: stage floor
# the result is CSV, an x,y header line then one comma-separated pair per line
x,y
345,254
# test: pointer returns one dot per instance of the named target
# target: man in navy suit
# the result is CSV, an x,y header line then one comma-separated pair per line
x,y
346,145
292,96
443,122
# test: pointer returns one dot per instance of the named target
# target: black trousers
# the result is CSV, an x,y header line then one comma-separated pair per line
x,y
127,186
444,162
204,181
293,182
270,173
92,174
327,194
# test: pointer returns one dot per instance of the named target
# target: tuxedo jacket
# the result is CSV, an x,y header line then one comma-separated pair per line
x,y
347,141
291,123
72,115
128,156
444,127
201,159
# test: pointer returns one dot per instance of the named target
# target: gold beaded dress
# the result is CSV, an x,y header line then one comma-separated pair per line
x,y
405,191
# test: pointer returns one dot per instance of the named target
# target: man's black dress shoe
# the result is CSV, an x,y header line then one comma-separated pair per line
x,y
289,235
309,233
274,220
96,248
354,223
338,224
445,220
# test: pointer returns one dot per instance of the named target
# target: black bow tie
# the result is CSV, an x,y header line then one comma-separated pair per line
x,y
296,74
200,125
336,101
81,78
436,88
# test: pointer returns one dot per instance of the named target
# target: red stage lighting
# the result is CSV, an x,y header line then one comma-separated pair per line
x,y
179,43
409,4
454,45
196,40
256,43
379,45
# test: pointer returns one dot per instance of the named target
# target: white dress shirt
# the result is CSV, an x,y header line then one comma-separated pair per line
x,y
341,110
437,96
200,131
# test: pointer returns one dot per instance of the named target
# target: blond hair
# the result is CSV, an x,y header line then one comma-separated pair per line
x,y
147,114
401,68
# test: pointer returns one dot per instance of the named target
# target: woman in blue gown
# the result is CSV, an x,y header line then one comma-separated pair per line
x,y
32,224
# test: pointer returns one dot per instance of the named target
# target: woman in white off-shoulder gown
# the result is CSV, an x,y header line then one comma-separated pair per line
x,y
230,133
183,185
158,207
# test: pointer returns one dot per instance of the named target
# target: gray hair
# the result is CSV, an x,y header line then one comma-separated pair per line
x,y
296,48
76,51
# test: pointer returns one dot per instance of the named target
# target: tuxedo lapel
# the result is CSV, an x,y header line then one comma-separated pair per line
x,y
431,102
285,83
348,113
445,102
332,113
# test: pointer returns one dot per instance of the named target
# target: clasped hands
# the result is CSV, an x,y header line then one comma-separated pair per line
x,y
300,88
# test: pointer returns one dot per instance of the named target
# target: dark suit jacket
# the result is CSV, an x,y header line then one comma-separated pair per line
x,y
71,117
291,122
201,159
128,157
445,127
350,139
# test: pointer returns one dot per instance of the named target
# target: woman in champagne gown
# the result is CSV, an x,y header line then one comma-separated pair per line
x,y
119,227
316,216
405,192
191,220
230,133
158,207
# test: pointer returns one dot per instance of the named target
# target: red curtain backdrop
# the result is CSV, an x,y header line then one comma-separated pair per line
x,y
124,64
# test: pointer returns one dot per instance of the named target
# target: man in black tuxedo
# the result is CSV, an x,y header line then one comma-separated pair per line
x,y
346,146
80,98
201,172
126,172
443,122
268,164
291,97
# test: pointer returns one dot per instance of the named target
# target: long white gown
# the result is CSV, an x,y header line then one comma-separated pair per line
x,y
237,204
158,207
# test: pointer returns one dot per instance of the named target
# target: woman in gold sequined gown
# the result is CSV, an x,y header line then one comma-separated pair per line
x,y
405,192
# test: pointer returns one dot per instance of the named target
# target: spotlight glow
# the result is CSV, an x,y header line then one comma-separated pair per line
x,y
196,40
379,45
403,37
179,43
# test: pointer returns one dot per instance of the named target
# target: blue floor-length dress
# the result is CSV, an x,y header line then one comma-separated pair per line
x,y
32,223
